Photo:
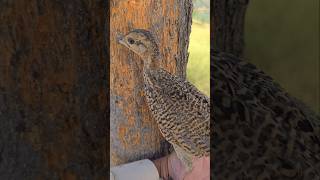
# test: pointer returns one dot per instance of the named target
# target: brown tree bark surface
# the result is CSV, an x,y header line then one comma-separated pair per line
x,y
134,134
53,90
226,35
227,26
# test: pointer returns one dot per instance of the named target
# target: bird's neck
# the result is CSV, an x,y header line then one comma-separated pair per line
x,y
150,67
151,62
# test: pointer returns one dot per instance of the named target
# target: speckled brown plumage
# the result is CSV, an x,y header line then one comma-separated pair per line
x,y
259,130
181,111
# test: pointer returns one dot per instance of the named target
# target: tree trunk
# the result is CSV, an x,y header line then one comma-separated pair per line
x,y
227,35
227,26
53,94
134,134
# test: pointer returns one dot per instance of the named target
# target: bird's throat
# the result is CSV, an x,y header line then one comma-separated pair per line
x,y
151,62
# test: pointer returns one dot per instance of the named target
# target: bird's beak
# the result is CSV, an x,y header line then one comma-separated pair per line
x,y
120,39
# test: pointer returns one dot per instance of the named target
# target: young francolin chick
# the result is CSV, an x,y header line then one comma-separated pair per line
x,y
181,111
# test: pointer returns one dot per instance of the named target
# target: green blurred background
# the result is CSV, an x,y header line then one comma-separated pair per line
x,y
281,38
198,68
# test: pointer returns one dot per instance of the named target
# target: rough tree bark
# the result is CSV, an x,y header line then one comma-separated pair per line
x,y
227,25
53,90
134,134
226,34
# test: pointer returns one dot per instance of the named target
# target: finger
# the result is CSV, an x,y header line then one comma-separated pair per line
x,y
162,167
200,170
177,170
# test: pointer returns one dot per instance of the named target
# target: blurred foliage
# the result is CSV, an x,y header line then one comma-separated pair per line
x,y
198,68
201,11
201,4
282,38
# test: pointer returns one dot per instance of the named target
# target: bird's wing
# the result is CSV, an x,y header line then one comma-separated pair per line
x,y
181,110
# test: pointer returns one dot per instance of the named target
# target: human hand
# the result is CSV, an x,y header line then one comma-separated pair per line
x,y
171,166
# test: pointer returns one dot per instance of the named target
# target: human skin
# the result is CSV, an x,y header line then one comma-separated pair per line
x,y
171,166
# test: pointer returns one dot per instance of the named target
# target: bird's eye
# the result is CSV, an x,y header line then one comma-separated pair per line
x,y
131,41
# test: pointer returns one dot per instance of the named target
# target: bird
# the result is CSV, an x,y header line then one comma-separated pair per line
x,y
259,131
181,111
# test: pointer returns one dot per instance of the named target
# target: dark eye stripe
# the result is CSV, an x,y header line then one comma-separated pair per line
x,y
139,42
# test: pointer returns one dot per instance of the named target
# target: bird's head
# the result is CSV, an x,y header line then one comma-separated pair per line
x,y
141,42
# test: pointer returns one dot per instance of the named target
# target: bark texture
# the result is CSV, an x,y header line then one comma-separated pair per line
x,y
226,35
134,134
53,90
227,25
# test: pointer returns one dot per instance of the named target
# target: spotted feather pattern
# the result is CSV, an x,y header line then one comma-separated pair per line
x,y
259,131
181,111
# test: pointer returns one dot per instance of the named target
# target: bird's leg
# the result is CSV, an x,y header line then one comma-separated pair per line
x,y
185,158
